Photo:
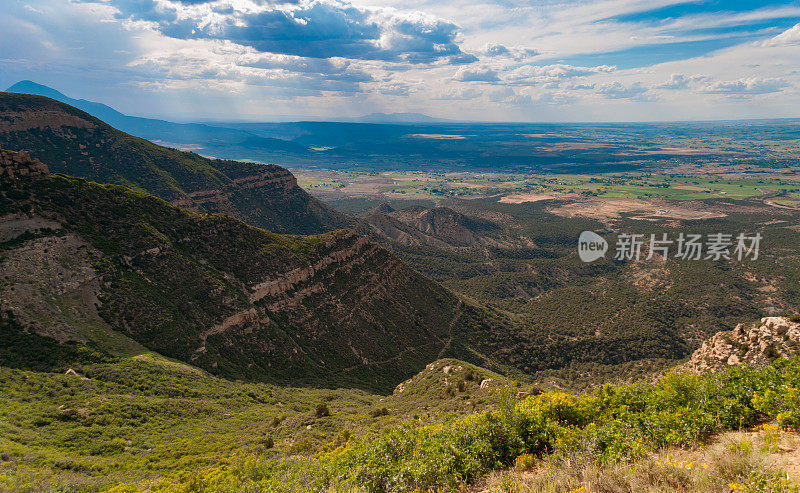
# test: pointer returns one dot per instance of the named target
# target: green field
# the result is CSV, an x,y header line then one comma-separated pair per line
x,y
421,185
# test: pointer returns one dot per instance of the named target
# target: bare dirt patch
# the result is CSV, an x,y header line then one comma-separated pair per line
x,y
685,151
604,209
519,198
14,225
439,136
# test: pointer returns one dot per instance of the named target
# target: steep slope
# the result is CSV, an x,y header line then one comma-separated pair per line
x,y
102,264
73,142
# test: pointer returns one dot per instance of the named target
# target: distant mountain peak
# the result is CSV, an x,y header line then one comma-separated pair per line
x,y
398,118
383,208
98,110
30,87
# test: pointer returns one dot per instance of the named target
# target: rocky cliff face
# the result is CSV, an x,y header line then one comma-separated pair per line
x,y
72,142
757,344
271,183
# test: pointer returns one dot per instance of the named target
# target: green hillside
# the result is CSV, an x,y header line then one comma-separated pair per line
x,y
137,420
150,424
337,310
579,323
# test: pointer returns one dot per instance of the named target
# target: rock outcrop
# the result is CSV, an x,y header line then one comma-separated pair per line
x,y
20,165
760,344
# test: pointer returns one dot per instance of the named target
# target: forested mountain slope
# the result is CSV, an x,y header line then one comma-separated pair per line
x,y
106,266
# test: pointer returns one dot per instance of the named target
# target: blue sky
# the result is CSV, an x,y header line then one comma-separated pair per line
x,y
502,60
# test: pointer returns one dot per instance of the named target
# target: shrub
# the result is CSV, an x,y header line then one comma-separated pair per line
x,y
376,413
322,410
301,445
789,415
611,424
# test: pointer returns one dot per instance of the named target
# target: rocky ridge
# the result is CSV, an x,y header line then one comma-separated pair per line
x,y
759,344
440,227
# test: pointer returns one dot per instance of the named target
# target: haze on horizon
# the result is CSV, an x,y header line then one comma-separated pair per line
x,y
478,60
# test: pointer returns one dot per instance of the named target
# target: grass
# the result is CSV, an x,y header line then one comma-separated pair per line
x,y
733,461
610,427
148,419
141,419
95,330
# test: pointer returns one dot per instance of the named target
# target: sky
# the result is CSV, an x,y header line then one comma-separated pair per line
x,y
477,60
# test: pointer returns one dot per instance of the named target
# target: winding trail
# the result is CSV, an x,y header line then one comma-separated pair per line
x,y
458,314
399,355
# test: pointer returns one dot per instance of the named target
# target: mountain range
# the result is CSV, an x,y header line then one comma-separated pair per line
x,y
73,142
172,248
129,123
410,141
140,247
179,134
118,245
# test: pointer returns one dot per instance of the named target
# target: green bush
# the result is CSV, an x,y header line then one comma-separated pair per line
x,y
322,411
